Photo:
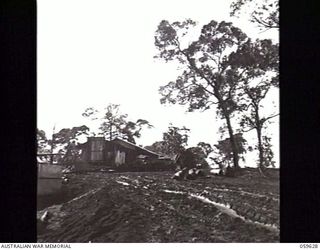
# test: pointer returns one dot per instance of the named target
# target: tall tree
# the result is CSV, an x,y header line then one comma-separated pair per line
x,y
116,124
254,119
208,77
264,13
113,121
260,63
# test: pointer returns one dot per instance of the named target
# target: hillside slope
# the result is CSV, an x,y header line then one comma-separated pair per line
x,y
152,207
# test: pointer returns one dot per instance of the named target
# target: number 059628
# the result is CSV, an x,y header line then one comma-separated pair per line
x,y
308,245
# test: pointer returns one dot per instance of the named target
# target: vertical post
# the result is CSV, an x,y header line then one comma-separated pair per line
x,y
52,138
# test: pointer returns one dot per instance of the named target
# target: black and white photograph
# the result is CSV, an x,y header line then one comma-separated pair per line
x,y
158,121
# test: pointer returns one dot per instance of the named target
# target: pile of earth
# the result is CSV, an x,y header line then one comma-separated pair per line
x,y
152,207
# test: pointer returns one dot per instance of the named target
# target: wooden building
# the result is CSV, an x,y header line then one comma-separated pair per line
x,y
117,152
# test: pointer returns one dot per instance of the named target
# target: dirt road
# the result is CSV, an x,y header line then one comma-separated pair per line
x,y
152,207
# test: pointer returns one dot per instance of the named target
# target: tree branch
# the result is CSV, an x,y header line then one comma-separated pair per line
x,y
213,59
194,67
264,23
270,117
192,64
244,131
265,93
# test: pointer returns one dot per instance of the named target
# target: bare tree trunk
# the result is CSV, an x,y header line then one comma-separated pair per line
x,y
230,130
260,147
259,135
233,143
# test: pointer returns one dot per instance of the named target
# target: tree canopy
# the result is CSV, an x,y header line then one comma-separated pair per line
x,y
260,74
223,150
115,124
264,13
174,141
67,136
209,76
222,67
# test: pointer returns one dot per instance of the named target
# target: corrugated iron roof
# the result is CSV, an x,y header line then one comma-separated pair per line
x,y
131,146
123,143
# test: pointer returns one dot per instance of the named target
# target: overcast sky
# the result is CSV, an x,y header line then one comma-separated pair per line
x,y
95,52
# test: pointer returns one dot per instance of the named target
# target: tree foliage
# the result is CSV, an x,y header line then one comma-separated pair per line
x,y
259,65
201,152
115,124
205,147
209,76
158,147
223,150
132,130
174,141
42,141
264,13
268,154
67,136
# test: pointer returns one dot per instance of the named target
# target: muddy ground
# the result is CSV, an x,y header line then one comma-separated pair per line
x,y
152,207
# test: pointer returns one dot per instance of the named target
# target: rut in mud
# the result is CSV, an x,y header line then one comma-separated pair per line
x,y
151,207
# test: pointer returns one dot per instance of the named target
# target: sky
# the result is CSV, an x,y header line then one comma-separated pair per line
x,y
95,52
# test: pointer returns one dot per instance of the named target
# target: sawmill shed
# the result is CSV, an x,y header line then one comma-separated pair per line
x,y
116,152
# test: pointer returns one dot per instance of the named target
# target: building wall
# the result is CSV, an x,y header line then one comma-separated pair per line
x,y
98,150
97,146
120,158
